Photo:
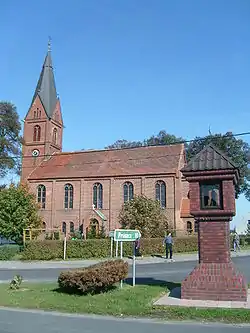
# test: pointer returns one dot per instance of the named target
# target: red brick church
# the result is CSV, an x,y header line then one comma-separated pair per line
x,y
86,189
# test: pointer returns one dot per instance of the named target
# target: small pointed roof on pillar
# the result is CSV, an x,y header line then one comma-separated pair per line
x,y
210,158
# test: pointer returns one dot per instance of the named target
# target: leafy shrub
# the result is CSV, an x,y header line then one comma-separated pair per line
x,y
43,250
100,248
16,282
8,252
93,279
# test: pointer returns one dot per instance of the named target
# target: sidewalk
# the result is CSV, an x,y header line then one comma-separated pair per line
x,y
179,257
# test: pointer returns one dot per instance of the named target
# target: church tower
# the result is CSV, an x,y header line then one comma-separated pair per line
x,y
43,124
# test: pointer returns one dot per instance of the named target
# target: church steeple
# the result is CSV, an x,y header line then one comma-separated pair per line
x,y
43,125
46,86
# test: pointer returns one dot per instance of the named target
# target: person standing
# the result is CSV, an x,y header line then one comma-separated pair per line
x,y
168,242
236,242
137,248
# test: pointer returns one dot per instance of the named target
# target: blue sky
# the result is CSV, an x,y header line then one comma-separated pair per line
x,y
125,69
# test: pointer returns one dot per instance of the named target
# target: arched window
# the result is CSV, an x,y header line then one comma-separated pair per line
x,y
41,195
68,196
71,227
196,226
35,114
128,191
37,133
189,227
97,195
39,113
160,193
54,136
64,228
94,227
44,225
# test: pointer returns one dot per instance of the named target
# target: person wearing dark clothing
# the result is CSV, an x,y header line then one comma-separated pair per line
x,y
137,248
168,242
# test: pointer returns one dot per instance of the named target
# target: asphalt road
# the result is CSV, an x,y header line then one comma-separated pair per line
x,y
172,272
19,321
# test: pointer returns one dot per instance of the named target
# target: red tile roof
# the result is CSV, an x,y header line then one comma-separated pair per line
x,y
107,163
185,208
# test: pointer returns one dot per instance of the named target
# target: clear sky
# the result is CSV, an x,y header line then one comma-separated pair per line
x,y
125,69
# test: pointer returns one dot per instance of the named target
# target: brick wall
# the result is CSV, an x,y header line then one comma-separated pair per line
x,y
55,213
214,238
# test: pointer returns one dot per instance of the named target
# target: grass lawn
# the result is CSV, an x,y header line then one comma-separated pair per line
x,y
129,301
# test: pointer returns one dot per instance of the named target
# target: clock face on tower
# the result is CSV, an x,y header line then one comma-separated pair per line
x,y
35,153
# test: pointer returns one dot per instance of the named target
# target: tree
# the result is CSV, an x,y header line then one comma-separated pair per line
x,y
119,144
146,215
162,138
237,149
10,139
18,211
248,228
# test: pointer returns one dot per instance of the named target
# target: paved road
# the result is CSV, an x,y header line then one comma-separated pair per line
x,y
19,321
175,272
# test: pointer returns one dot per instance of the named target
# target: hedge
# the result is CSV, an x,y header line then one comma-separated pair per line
x,y
8,252
93,279
100,248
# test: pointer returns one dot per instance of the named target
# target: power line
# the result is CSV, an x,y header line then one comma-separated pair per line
x,y
126,148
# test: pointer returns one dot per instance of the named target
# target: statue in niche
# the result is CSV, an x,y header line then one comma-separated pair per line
x,y
210,196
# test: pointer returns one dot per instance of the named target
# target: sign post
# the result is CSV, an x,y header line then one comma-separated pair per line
x,y
134,266
121,258
64,248
116,249
124,235
111,235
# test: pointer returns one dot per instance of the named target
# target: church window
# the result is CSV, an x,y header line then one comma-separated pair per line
x,y
64,228
196,226
41,195
160,193
37,133
189,227
34,114
68,196
128,191
71,227
54,136
97,195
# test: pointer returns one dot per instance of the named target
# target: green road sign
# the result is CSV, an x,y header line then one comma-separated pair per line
x,y
111,234
123,235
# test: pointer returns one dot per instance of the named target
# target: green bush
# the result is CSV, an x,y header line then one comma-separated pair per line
x,y
8,252
100,248
43,250
93,279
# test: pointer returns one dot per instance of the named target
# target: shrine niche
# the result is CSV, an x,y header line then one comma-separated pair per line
x,y
212,178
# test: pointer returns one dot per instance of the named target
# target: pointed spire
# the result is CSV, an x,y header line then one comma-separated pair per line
x,y
49,44
46,87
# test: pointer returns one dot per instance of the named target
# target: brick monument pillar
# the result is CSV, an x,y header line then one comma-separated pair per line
x,y
212,177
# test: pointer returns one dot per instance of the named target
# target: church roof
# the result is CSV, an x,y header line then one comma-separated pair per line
x,y
210,158
107,163
46,87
